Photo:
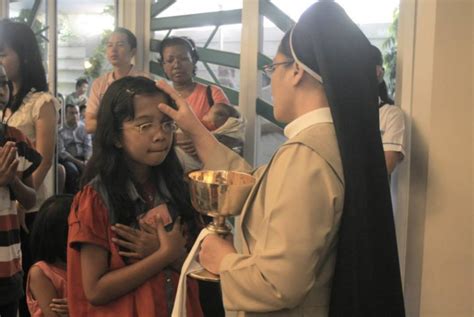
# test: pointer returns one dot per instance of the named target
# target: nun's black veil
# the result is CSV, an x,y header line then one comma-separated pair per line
x,y
367,277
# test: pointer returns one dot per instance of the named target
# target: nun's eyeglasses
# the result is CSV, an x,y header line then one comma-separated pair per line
x,y
270,68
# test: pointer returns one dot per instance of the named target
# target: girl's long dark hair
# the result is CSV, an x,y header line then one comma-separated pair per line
x,y
108,160
20,38
48,238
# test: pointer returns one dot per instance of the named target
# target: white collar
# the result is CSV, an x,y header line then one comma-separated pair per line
x,y
321,115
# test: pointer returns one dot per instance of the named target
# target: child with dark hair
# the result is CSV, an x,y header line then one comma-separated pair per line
x,y
227,125
18,160
218,115
131,221
46,284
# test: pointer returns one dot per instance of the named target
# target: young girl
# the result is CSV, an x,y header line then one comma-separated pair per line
x,y
132,177
46,284
18,161
32,111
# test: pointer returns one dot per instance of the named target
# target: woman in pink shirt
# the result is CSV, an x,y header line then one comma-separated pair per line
x,y
121,47
178,59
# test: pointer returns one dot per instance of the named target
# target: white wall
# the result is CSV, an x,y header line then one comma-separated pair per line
x,y
436,205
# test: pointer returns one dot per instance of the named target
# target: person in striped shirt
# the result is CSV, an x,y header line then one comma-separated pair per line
x,y
18,160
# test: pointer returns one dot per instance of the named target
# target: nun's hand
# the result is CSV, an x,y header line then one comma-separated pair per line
x,y
184,115
213,250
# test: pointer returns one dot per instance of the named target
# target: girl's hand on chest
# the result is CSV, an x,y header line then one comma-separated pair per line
x,y
140,243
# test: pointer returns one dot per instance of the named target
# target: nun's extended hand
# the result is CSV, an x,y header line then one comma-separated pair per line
x,y
184,115
213,250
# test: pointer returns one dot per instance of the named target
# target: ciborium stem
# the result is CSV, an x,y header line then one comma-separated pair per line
x,y
220,226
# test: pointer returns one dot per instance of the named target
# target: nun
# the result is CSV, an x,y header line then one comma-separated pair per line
x,y
317,229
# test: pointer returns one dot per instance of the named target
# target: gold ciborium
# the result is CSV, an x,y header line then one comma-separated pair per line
x,y
218,194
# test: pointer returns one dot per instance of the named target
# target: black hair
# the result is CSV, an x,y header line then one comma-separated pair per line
x,y
183,41
10,97
21,39
69,105
383,91
48,237
82,107
131,38
109,162
81,81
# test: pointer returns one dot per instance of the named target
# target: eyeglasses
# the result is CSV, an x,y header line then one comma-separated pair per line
x,y
149,128
270,68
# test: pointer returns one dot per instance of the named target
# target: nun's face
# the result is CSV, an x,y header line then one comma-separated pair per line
x,y
281,92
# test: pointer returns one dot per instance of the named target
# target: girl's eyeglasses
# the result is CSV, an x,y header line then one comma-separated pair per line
x,y
149,128
270,68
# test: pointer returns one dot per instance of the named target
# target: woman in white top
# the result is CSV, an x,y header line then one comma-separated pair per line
x,y
121,48
391,118
33,110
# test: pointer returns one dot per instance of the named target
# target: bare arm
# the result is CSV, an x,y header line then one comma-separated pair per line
x,y
43,291
392,158
91,122
24,191
45,141
92,107
102,286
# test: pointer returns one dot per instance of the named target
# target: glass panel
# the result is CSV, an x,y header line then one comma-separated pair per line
x,y
374,17
181,7
82,26
225,38
20,9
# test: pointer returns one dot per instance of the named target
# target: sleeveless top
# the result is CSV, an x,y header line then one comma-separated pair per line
x,y
24,119
57,277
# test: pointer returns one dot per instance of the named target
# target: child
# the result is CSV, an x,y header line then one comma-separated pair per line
x,y
133,169
18,161
46,283
227,125
218,115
